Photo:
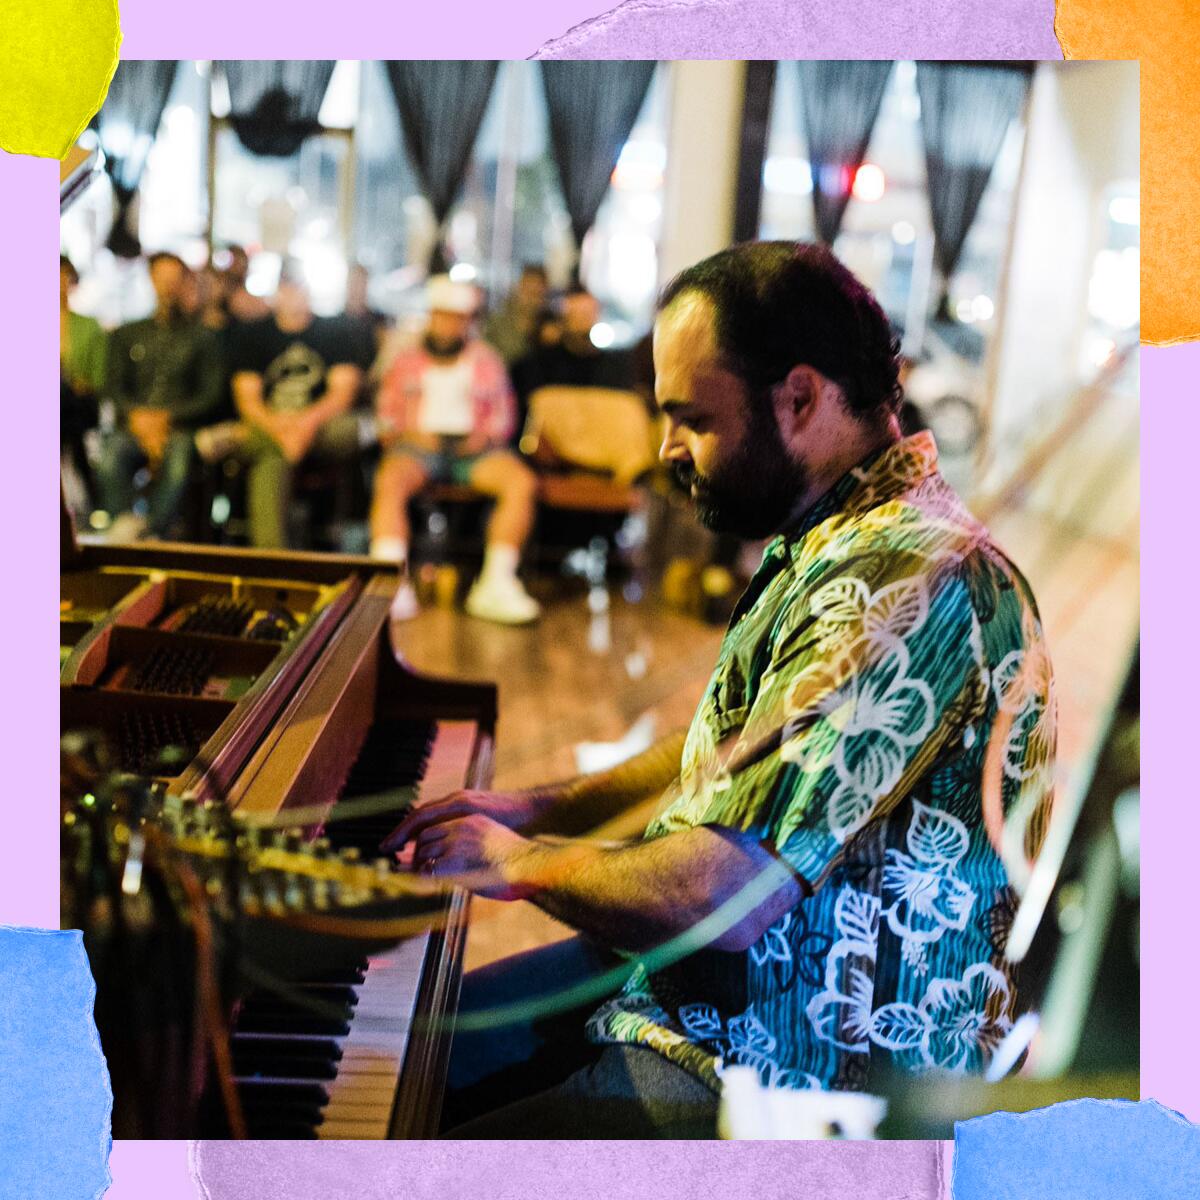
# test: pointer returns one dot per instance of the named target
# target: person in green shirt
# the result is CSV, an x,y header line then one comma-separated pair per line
x,y
816,881
165,376
83,354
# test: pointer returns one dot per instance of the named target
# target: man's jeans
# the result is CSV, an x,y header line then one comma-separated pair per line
x,y
120,461
538,1077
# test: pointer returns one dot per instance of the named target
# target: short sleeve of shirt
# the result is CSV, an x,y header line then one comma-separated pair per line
x,y
868,685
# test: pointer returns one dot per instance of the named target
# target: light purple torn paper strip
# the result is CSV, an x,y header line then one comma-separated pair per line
x,y
569,1170
55,1097
814,29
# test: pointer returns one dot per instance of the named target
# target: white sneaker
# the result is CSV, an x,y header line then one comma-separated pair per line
x,y
502,599
404,603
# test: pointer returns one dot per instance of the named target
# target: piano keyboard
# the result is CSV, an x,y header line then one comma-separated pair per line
x,y
324,1057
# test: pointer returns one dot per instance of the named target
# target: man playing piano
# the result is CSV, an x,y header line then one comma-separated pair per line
x,y
819,891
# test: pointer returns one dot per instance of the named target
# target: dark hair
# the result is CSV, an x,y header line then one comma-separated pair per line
x,y
535,269
65,264
778,304
166,256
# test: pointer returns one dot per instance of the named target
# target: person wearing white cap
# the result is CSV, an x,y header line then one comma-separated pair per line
x,y
446,413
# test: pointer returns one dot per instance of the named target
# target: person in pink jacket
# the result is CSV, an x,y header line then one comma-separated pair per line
x,y
446,414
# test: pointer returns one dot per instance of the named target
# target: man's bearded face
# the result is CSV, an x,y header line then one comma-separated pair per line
x,y
750,490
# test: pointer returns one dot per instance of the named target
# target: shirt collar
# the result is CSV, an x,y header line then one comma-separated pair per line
x,y
881,476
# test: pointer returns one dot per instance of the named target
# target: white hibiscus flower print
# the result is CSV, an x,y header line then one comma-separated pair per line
x,y
926,895
871,718
773,946
1024,687
846,611
956,1026
841,1014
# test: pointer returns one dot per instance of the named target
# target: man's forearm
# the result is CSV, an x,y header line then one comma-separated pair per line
x,y
638,897
581,805
342,388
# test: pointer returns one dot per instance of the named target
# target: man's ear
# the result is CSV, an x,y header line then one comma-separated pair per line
x,y
797,399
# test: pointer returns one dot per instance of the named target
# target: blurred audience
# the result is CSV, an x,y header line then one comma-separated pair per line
x,y
295,381
240,303
165,375
513,326
446,413
83,357
367,324
572,357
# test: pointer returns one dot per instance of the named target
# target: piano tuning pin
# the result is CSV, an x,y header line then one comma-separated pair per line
x,y
351,854
293,894
271,899
320,847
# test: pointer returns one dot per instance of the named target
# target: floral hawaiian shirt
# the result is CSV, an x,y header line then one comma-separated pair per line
x,y
881,716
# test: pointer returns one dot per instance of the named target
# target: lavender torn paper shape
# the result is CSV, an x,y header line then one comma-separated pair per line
x,y
55,1098
1078,1150
578,1170
814,29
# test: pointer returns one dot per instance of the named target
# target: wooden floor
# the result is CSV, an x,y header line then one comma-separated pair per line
x,y
570,678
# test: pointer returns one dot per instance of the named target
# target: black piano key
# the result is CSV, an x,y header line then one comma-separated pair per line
x,y
261,1103
329,993
260,1064
283,1091
292,1022
350,975
391,763
267,1126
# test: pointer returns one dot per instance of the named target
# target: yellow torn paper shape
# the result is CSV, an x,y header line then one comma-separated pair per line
x,y
1165,36
57,58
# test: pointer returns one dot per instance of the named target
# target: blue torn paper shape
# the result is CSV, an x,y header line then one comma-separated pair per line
x,y
55,1098
1078,1150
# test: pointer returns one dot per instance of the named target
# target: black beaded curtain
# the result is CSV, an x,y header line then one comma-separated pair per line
x,y
841,104
274,105
441,105
752,147
966,109
592,108
126,126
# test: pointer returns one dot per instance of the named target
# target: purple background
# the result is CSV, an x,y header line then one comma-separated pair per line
x,y
481,28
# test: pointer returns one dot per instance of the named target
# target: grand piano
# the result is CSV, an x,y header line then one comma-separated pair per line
x,y
263,689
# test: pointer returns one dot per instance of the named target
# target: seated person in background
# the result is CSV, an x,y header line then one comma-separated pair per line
x,y
241,303
573,358
165,378
446,414
294,385
813,887
512,326
367,324
82,358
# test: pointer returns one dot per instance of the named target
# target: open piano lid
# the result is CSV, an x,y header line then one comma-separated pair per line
x,y
79,167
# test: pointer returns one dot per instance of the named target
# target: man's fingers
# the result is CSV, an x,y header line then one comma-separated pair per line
x,y
431,836
421,818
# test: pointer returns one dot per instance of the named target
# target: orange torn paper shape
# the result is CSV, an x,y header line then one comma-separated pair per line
x,y
1165,36
57,58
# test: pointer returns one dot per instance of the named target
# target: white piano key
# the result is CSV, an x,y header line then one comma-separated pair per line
x,y
360,1098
